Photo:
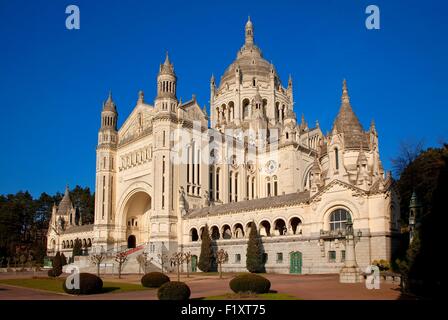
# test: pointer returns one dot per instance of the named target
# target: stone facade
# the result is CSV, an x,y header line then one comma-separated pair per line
x,y
65,227
165,174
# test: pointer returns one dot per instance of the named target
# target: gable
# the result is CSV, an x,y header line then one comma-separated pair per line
x,y
139,119
193,112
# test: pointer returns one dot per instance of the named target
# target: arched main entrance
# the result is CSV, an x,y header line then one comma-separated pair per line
x,y
132,241
136,215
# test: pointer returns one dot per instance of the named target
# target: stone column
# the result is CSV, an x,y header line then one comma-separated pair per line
x,y
350,273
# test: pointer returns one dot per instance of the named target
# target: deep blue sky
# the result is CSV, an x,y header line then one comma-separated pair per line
x,y
53,81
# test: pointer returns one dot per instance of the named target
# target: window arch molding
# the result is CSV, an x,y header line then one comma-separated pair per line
x,y
338,218
341,204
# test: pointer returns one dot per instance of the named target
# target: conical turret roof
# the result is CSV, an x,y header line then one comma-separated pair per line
x,y
66,204
109,105
347,122
167,67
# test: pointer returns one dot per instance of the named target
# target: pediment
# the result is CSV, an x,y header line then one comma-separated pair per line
x,y
139,119
193,112
337,186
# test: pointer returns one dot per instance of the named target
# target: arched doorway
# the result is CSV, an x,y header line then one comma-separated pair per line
x,y
131,241
136,218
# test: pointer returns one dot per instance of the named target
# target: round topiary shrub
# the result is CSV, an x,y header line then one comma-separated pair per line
x,y
154,279
88,284
250,283
174,290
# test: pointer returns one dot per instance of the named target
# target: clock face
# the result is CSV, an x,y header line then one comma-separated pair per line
x,y
271,166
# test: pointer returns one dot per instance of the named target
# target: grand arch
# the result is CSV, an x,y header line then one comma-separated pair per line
x,y
133,214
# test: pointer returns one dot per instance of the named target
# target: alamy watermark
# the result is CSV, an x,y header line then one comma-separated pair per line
x,y
72,282
73,21
373,277
373,20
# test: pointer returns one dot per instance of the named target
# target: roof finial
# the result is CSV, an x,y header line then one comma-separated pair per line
x,y
167,59
141,96
249,33
345,97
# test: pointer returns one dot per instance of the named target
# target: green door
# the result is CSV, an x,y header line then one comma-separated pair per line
x,y
194,263
295,265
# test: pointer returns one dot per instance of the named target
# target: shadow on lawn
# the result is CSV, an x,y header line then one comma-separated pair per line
x,y
109,289
236,296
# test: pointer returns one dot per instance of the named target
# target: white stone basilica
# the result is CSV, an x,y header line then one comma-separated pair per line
x,y
168,172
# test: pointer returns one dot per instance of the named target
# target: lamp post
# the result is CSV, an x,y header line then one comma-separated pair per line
x,y
350,273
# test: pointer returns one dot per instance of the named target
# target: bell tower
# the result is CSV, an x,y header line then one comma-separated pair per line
x,y
166,100
106,174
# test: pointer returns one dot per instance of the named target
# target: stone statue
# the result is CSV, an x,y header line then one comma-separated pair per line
x,y
206,199
181,194
183,205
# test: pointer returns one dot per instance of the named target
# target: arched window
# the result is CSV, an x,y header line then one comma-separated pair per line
x,y
230,186
238,230
277,111
194,235
265,228
236,187
275,186
280,227
215,233
246,108
253,188
338,219
295,224
218,171
268,187
247,187
231,110
226,232
336,158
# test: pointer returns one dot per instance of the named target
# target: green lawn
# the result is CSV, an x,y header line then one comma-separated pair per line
x,y
55,285
263,296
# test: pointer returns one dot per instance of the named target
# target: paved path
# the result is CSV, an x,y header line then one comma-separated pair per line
x,y
307,287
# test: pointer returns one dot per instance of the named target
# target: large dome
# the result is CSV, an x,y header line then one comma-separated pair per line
x,y
249,60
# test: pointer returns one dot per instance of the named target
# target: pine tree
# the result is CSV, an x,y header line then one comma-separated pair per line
x,y
254,253
63,259
57,265
77,248
206,256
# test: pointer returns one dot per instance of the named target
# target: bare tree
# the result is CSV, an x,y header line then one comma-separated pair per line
x,y
121,258
143,261
177,259
96,259
408,152
187,259
221,257
163,258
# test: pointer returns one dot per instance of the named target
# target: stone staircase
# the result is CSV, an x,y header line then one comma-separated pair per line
x,y
110,266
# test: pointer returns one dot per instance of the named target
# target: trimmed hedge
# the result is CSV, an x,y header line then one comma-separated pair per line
x,y
89,284
154,279
174,290
250,283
